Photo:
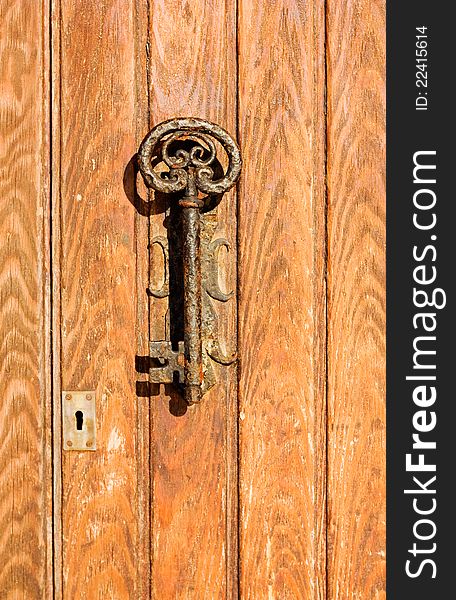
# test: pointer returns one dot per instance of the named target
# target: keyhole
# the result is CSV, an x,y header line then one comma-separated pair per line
x,y
79,419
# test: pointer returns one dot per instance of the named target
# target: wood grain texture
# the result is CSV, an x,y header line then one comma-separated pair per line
x,y
282,300
55,250
154,512
103,264
356,299
25,409
192,65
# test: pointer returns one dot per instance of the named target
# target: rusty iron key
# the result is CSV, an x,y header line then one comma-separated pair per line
x,y
190,172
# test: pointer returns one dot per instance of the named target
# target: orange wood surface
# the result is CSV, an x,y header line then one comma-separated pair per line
x,y
192,60
282,300
356,299
105,494
274,486
25,369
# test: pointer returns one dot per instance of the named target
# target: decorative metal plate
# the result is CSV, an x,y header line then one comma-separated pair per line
x,y
79,420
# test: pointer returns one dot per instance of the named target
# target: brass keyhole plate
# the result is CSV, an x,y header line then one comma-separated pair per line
x,y
79,421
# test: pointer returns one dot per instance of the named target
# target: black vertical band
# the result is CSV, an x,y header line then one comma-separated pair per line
x,y
421,396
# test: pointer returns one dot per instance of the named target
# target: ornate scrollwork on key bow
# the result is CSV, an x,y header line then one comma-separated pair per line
x,y
188,147
187,165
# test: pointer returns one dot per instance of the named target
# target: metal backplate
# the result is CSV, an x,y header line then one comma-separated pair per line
x,y
168,366
79,423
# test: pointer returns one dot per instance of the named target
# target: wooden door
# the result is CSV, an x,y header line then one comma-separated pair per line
x,y
274,486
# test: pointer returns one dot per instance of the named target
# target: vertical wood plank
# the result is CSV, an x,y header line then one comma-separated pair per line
x,y
282,299
55,250
103,297
193,73
356,299
25,375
